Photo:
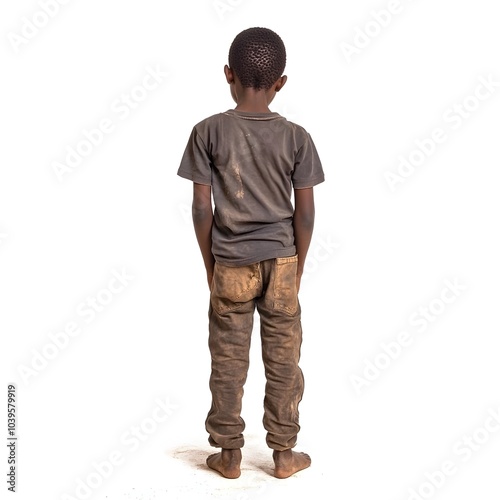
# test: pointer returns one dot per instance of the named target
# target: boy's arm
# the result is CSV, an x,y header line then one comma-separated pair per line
x,y
202,220
303,224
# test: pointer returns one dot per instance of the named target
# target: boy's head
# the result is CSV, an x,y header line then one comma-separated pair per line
x,y
258,57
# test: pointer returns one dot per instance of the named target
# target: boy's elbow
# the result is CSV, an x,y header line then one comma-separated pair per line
x,y
304,219
201,212
202,203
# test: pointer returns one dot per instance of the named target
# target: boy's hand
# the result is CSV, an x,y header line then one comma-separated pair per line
x,y
210,277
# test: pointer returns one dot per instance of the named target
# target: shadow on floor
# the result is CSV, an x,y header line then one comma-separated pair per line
x,y
192,456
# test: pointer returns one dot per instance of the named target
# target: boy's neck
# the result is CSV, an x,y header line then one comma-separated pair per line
x,y
254,101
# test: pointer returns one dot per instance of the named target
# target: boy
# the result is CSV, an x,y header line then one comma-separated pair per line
x,y
254,246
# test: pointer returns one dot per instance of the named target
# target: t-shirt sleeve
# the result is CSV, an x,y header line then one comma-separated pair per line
x,y
308,170
195,163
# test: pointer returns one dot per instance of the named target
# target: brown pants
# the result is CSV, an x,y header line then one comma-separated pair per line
x,y
236,291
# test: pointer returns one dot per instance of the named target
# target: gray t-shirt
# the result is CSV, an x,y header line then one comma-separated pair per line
x,y
252,161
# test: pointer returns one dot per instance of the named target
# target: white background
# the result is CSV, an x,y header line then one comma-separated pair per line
x,y
377,256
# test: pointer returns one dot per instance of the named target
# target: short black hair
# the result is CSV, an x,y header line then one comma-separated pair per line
x,y
258,57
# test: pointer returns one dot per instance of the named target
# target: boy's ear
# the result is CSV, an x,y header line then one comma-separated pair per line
x,y
280,83
229,74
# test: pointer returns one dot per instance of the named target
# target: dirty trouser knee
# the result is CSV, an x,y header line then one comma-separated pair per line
x,y
271,286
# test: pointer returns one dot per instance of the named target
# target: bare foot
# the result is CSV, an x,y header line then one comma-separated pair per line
x,y
289,462
227,462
